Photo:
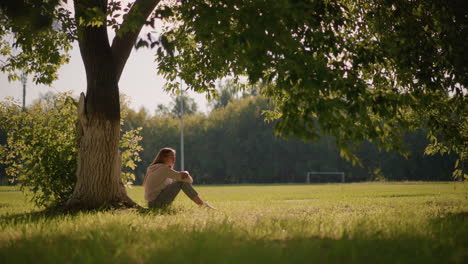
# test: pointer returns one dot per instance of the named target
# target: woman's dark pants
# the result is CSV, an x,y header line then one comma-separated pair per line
x,y
167,196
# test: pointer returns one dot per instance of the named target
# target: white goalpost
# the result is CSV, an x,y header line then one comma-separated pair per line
x,y
340,173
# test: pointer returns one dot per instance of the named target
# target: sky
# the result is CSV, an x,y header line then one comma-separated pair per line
x,y
139,81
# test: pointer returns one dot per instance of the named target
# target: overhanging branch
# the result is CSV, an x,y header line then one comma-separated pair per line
x,y
123,43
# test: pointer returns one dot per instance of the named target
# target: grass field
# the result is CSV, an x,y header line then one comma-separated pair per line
x,y
333,223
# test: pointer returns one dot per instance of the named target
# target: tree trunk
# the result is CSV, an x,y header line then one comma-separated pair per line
x,y
99,163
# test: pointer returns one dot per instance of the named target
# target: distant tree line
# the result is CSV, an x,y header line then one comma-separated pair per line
x,y
233,144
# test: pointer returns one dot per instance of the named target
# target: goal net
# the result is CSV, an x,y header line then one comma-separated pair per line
x,y
325,176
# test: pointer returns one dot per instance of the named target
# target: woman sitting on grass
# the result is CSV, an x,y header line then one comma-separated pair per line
x,y
162,183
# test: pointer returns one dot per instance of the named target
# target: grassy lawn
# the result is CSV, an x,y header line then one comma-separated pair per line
x,y
333,223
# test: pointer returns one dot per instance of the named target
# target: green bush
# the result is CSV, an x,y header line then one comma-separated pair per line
x,y
40,151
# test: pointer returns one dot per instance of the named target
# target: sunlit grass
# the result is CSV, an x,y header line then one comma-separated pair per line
x,y
331,223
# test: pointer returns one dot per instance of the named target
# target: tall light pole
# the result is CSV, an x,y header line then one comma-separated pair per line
x,y
24,80
181,127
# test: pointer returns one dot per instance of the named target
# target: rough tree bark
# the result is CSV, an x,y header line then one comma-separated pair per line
x,y
99,163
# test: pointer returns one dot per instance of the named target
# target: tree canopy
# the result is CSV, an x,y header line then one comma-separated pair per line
x,y
358,70
35,37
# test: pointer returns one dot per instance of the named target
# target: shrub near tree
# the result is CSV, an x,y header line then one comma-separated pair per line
x,y
40,153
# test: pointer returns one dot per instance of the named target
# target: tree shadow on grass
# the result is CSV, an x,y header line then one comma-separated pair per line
x,y
33,217
223,243
168,210
54,213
